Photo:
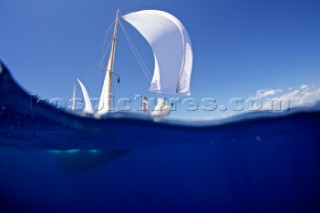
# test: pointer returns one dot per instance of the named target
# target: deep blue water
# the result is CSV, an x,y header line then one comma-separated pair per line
x,y
262,162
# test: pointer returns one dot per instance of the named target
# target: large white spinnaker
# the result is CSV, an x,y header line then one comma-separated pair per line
x,y
87,102
171,47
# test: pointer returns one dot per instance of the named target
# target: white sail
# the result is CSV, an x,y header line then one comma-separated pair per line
x,y
73,104
171,47
162,108
103,106
87,102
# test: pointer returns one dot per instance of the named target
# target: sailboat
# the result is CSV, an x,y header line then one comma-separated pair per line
x,y
172,53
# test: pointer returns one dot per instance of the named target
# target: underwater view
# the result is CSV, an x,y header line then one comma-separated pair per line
x,y
199,106
53,161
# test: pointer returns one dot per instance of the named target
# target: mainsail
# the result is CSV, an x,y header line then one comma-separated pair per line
x,y
171,47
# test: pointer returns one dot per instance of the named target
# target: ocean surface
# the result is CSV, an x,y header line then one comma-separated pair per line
x,y
55,161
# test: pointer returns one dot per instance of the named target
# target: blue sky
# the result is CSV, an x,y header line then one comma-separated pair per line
x,y
242,48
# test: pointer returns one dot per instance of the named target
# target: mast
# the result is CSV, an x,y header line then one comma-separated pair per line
x,y
73,95
105,98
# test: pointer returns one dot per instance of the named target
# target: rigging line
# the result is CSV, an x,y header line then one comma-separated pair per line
x,y
95,59
107,33
138,56
136,53
103,46
105,50
93,69
104,53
